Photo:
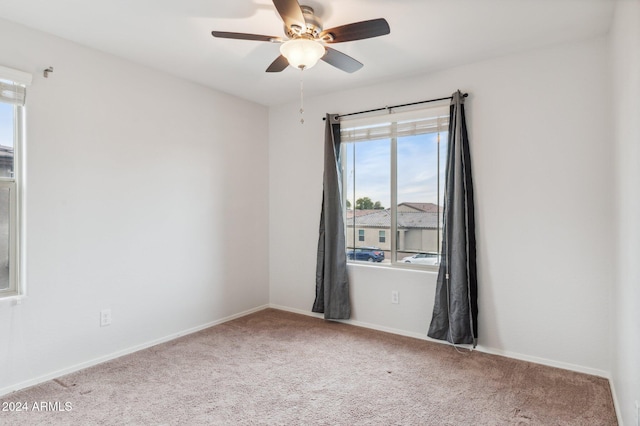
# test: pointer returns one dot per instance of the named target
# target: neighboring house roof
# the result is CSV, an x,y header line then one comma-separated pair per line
x,y
6,159
423,207
382,219
428,220
359,213
6,151
374,219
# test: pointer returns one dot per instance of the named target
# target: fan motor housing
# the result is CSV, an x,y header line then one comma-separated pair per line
x,y
313,24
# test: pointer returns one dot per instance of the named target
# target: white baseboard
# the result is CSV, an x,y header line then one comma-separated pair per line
x,y
480,348
547,362
357,323
127,351
616,405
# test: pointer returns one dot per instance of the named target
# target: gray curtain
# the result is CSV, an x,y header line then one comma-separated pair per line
x,y
332,283
455,311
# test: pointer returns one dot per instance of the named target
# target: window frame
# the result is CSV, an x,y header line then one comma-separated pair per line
x,y
15,184
437,113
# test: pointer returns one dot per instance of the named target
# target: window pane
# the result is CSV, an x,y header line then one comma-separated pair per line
x,y
6,140
416,141
420,189
367,181
4,238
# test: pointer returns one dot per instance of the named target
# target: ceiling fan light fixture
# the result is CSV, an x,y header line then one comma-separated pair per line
x,y
302,53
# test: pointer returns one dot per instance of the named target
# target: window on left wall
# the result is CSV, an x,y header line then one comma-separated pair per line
x,y
12,125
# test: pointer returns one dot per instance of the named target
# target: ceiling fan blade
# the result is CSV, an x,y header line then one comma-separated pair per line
x,y
357,31
243,36
290,12
278,65
341,61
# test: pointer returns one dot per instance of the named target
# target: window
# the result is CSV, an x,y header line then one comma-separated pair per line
x,y
393,170
12,96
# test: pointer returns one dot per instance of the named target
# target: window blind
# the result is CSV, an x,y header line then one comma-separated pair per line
x,y
12,93
393,125
13,86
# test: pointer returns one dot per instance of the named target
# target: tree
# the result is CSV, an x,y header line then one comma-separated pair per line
x,y
365,203
348,204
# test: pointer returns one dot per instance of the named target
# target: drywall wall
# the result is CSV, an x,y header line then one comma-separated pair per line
x,y
539,124
146,195
625,352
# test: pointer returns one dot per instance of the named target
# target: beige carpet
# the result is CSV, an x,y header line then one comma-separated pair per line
x,y
279,368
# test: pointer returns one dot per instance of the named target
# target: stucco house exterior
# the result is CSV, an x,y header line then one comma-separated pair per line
x,y
419,228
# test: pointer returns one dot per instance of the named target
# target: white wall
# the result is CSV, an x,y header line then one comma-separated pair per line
x,y
625,49
539,127
142,191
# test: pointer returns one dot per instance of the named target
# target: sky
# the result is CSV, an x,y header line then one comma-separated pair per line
x,y
417,169
6,124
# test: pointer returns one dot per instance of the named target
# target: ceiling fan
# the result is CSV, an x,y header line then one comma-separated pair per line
x,y
306,41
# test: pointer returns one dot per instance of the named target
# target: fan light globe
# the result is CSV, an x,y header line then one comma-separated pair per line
x,y
302,53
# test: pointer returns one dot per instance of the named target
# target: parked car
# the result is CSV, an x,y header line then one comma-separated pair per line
x,y
432,259
369,254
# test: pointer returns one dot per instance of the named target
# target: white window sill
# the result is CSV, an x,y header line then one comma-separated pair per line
x,y
394,266
15,299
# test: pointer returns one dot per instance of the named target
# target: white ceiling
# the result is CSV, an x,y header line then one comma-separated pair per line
x,y
426,35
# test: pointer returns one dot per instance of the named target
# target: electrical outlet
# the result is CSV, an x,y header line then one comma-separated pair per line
x,y
105,317
395,297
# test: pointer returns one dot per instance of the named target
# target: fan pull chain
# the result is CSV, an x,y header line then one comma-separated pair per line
x,y
301,98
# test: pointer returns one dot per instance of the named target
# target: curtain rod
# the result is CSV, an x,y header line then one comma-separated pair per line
x,y
396,106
